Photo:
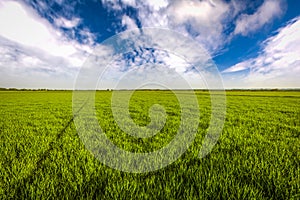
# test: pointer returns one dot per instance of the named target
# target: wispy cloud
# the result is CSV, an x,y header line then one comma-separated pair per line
x,y
208,22
65,23
156,55
200,20
32,47
51,45
265,14
213,24
278,64
128,22
240,66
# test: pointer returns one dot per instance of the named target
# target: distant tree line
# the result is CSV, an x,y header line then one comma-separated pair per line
x,y
260,89
23,89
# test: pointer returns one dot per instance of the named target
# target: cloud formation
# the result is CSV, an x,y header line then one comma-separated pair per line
x,y
52,47
278,64
65,23
32,47
212,23
128,22
201,20
265,14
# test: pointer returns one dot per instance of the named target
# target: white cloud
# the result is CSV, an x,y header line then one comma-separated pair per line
x,y
128,22
202,20
130,2
269,10
157,5
200,11
63,22
208,22
113,4
205,21
31,45
240,66
278,65
169,51
22,25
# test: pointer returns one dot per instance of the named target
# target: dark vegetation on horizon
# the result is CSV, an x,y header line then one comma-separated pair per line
x,y
232,89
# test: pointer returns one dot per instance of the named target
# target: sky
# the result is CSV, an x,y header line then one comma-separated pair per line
x,y
252,43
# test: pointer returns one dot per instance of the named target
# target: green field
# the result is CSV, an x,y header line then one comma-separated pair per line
x,y
256,157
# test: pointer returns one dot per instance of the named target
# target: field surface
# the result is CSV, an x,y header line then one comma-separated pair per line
x,y
256,157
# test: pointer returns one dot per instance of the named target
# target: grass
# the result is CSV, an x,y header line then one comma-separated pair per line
x,y
256,157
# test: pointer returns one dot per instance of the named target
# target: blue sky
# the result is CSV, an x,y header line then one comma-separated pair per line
x,y
254,44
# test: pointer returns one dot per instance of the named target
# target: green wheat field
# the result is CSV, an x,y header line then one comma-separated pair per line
x,y
256,157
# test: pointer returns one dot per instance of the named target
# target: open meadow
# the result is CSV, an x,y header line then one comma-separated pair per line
x,y
256,157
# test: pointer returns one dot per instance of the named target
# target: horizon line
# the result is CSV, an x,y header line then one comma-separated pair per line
x,y
150,89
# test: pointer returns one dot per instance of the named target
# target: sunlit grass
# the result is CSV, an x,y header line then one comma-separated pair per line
x,y
256,157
